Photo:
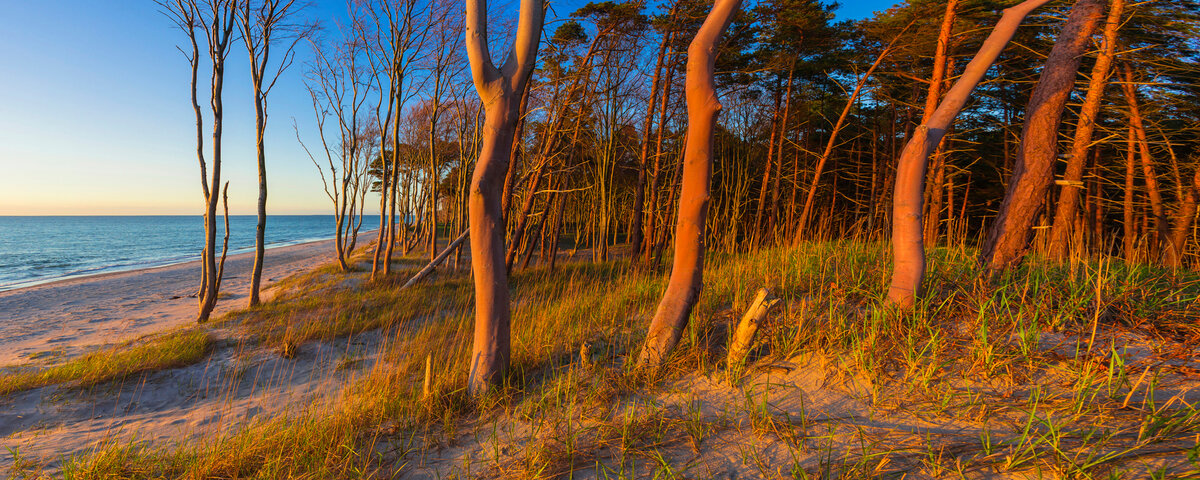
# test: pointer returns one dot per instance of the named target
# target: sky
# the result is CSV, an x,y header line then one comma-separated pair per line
x,y
95,116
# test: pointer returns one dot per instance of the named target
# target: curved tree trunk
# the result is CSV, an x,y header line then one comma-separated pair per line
x,y
687,270
499,91
1034,169
908,244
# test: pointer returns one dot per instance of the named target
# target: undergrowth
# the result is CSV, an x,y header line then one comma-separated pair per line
x,y
1034,369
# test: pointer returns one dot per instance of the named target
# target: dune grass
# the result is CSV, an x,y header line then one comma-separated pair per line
x,y
173,349
1027,364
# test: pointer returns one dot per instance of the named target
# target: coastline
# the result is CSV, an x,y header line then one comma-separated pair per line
x,y
69,316
150,265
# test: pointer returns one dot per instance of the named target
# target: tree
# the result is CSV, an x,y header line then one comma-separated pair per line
x,y
214,20
262,24
339,88
687,268
908,269
1068,200
500,91
1009,234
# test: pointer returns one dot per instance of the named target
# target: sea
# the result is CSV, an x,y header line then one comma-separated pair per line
x,y
35,250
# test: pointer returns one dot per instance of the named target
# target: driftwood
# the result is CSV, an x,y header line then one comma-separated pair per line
x,y
743,337
437,260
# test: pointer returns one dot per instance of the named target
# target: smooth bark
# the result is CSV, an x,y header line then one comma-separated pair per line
x,y
908,270
499,91
687,269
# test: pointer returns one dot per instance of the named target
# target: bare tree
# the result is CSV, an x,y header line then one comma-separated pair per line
x,y
391,55
687,269
339,86
908,270
210,22
500,92
264,23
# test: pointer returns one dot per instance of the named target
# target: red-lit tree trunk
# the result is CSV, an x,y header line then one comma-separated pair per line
x,y
1151,177
936,80
652,212
499,91
908,244
688,266
1034,168
1130,233
757,233
1068,201
1184,218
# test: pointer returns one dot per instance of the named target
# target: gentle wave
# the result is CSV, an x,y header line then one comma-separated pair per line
x,y
39,250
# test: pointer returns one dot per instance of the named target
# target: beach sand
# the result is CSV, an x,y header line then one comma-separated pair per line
x,y
69,316
234,384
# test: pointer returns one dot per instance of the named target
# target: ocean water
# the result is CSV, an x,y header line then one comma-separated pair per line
x,y
36,250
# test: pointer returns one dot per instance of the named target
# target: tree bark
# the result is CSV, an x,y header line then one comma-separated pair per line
x,y
1184,218
1034,168
908,270
1068,201
651,233
688,267
756,234
499,91
1130,235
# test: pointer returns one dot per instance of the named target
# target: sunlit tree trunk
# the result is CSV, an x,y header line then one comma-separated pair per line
x,y
499,91
908,271
1034,169
1129,87
1185,217
215,22
688,266
1130,233
651,233
261,26
1068,201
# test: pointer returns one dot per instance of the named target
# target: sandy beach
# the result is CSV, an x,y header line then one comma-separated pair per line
x,y
234,384
68,316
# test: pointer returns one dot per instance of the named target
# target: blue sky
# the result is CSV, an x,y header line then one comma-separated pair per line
x,y
95,117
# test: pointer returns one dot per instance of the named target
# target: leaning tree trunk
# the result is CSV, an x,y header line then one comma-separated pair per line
x,y
940,65
1185,217
909,194
1129,88
687,270
1034,168
1068,200
499,91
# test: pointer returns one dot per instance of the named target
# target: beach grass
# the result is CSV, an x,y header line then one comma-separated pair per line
x,y
116,362
1032,369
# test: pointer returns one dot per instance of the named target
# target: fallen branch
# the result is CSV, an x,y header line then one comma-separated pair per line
x,y
437,260
743,338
